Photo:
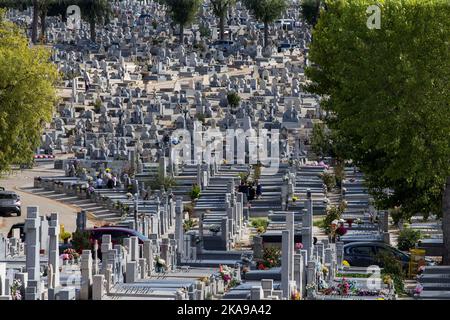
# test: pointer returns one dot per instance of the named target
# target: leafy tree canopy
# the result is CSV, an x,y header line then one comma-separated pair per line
x,y
27,95
387,91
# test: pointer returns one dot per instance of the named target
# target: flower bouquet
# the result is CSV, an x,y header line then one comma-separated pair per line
x,y
344,287
341,231
350,222
15,290
296,295
70,255
418,289
225,273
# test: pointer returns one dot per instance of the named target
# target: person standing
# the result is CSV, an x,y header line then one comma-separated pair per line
x,y
258,190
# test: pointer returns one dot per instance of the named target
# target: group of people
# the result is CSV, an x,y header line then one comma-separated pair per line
x,y
106,180
251,190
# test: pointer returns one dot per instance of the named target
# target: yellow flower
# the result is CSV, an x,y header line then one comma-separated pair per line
x,y
345,263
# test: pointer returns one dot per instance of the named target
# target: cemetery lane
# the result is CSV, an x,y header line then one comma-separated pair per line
x,y
20,181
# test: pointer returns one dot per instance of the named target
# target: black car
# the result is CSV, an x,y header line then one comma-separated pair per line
x,y
364,254
10,203
20,226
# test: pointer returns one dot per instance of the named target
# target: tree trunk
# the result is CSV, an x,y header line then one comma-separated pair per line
x,y
34,23
446,223
222,27
316,16
43,26
181,34
92,27
266,34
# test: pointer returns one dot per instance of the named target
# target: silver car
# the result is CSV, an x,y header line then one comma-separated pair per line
x,y
10,203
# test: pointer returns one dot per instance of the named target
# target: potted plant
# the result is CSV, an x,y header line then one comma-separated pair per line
x,y
65,236
189,224
195,192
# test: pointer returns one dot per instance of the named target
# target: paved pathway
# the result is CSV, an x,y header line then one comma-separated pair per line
x,y
19,181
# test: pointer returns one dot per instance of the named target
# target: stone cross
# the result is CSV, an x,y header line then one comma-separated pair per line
x,y
86,275
179,232
32,224
53,252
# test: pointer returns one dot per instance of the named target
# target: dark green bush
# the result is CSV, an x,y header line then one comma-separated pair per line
x,y
408,238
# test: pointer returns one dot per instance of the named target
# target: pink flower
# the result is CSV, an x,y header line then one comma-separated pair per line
x,y
65,256
299,246
418,289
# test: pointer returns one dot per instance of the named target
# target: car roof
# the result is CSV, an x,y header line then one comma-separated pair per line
x,y
7,192
111,228
365,243
20,224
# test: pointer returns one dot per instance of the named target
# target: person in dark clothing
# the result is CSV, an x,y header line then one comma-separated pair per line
x,y
110,183
251,193
258,190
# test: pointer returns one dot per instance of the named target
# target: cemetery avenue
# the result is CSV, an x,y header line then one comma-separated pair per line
x,y
233,154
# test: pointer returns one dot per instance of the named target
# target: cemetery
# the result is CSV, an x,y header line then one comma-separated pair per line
x,y
195,165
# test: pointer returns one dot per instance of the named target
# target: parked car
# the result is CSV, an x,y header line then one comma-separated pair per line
x,y
10,203
117,235
20,226
364,254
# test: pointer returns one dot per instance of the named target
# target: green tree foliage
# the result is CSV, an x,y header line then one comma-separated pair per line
x,y
195,192
266,11
189,224
80,241
329,180
41,9
408,238
233,100
260,224
387,91
95,12
220,8
321,143
311,10
392,267
162,181
27,95
51,8
183,12
333,213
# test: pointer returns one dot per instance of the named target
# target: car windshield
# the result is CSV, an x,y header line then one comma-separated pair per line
x,y
140,235
7,196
